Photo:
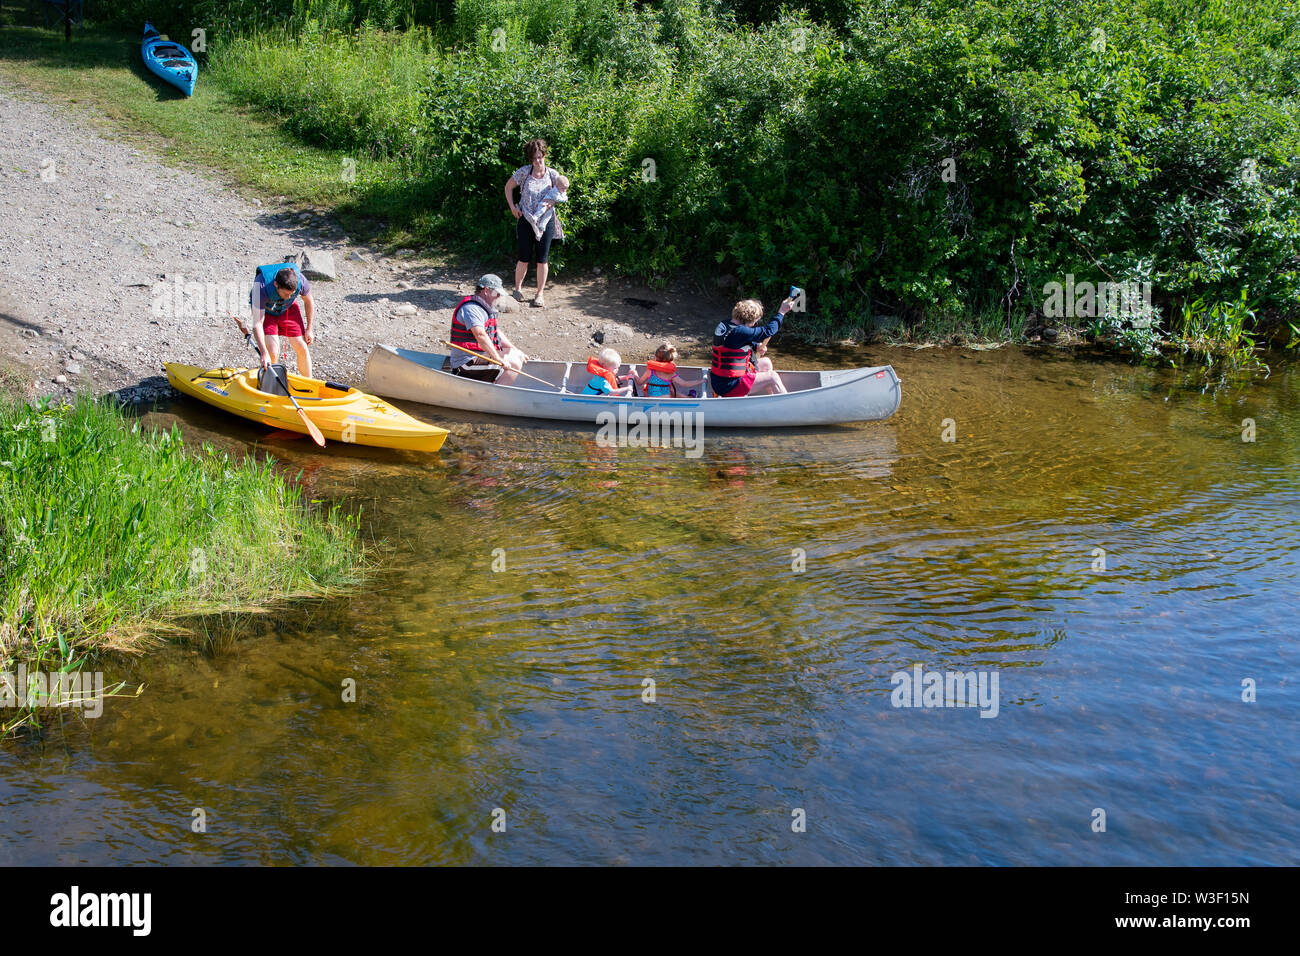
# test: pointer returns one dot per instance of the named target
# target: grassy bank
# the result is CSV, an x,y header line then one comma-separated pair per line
x,y
101,72
110,531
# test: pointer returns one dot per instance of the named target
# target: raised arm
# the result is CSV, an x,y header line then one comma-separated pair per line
x,y
761,333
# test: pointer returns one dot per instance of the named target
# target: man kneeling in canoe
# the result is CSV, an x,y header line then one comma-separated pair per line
x,y
474,327
276,313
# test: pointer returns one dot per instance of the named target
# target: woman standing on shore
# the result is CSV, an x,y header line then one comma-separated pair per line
x,y
532,181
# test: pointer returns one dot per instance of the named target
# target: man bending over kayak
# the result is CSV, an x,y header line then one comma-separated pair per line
x,y
474,327
278,315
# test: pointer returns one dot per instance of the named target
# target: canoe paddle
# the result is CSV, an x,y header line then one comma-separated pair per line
x,y
312,430
488,358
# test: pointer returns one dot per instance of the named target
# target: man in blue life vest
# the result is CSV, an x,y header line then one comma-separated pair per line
x,y
474,327
277,313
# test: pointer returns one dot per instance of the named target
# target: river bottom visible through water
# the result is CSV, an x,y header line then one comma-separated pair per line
x,y
577,654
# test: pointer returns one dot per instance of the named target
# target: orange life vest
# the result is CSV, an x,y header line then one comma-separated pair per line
x,y
595,368
463,335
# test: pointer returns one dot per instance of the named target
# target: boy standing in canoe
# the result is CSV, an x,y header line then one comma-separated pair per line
x,y
474,327
277,313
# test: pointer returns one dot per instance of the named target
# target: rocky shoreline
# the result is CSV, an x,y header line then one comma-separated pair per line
x,y
113,262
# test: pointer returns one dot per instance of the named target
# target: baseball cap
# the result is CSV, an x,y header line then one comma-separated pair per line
x,y
490,281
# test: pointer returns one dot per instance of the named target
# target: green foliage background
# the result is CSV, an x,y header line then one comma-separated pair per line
x,y
918,156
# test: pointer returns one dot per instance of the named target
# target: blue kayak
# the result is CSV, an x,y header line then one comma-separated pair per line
x,y
168,60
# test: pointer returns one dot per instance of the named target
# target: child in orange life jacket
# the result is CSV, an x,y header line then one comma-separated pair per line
x,y
660,378
605,377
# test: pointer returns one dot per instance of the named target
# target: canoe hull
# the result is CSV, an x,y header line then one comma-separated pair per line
x,y
822,398
349,416
159,53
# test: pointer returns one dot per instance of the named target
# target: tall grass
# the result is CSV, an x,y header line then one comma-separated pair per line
x,y
358,92
1217,338
110,531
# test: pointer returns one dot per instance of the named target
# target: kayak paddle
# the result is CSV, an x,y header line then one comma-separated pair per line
x,y
312,430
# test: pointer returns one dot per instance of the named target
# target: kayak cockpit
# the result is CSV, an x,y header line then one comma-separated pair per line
x,y
302,389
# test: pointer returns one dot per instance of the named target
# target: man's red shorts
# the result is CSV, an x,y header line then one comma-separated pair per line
x,y
288,325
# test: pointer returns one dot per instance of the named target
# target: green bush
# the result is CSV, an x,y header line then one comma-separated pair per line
x,y
926,156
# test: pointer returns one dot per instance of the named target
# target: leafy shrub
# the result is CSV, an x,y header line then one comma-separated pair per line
x,y
927,156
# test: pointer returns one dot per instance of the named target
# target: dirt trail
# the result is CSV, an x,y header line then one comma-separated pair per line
x,y
94,233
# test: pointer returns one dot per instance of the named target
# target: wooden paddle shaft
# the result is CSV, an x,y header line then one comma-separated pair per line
x,y
488,358
310,425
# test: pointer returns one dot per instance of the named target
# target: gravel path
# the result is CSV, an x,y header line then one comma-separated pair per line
x,y
97,238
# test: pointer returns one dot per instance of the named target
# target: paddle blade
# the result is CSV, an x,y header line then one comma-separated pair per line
x,y
312,430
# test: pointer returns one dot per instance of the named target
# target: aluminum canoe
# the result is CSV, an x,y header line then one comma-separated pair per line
x,y
814,397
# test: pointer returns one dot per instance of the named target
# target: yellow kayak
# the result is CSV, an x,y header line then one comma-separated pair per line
x,y
342,414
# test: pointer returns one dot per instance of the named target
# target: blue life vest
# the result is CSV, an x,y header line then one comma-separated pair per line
x,y
272,304
657,387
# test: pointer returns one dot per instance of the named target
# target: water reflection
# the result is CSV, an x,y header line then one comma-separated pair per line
x,y
769,589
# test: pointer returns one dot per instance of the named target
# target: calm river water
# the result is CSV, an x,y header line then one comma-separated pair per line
x,y
770,589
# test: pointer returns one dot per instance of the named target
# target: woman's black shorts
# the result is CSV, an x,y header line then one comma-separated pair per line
x,y
528,241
